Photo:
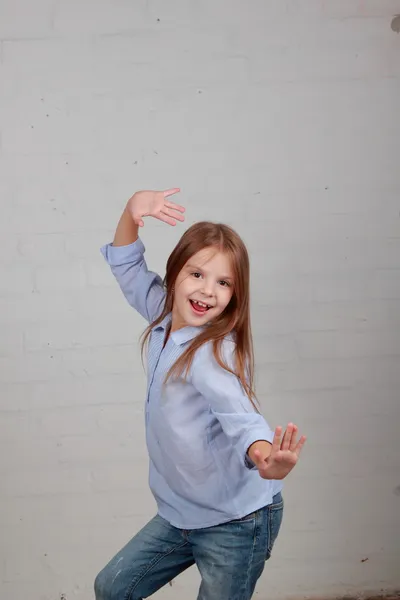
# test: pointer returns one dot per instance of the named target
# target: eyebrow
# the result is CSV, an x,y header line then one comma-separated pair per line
x,y
196,268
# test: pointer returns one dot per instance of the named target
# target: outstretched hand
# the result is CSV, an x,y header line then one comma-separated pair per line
x,y
151,203
283,456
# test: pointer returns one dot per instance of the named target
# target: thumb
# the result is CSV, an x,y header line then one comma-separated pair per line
x,y
258,460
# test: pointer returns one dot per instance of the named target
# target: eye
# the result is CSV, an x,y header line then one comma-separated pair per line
x,y
225,283
196,275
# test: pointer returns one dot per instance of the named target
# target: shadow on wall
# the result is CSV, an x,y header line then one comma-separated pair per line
x,y
395,25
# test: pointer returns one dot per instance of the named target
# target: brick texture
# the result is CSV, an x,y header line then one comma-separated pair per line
x,y
279,118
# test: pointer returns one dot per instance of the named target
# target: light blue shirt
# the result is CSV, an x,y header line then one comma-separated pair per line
x,y
198,430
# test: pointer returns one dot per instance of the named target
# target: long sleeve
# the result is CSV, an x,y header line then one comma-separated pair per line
x,y
228,401
142,288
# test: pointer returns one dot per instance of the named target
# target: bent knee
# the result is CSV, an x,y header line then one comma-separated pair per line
x,y
111,584
102,588
104,585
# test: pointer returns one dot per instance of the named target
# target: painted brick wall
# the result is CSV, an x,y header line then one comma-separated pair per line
x,y
278,117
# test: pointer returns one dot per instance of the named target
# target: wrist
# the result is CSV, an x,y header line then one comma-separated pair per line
x,y
129,207
263,447
127,230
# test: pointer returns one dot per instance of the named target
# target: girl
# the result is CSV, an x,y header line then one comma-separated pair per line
x,y
215,465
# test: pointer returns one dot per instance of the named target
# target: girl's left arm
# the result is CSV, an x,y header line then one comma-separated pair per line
x,y
239,420
259,447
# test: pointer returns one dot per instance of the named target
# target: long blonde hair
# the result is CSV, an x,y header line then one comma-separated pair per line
x,y
236,316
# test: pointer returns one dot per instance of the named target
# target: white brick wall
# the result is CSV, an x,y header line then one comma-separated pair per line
x,y
278,117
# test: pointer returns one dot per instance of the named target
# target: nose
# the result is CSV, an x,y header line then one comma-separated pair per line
x,y
207,288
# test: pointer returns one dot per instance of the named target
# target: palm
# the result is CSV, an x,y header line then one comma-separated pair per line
x,y
155,204
151,203
284,454
280,464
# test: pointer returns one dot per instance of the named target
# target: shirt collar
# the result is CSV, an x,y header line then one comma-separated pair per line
x,y
180,336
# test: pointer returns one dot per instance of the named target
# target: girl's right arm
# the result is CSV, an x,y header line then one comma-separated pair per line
x,y
142,288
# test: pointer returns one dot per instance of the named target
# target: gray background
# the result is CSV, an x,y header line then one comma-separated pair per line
x,y
278,117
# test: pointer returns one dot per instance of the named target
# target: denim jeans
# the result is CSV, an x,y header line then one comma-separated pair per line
x,y
230,557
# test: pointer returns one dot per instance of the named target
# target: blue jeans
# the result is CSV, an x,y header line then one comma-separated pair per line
x,y
230,557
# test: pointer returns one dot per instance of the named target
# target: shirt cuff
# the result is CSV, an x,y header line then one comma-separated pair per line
x,y
249,463
119,255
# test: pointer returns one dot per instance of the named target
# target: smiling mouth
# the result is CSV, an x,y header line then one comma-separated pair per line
x,y
199,307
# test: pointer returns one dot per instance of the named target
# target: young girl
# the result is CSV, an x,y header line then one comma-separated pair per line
x,y
215,465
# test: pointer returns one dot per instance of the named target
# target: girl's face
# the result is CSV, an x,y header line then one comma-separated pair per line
x,y
203,289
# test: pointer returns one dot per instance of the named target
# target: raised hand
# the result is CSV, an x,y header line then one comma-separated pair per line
x,y
151,203
283,456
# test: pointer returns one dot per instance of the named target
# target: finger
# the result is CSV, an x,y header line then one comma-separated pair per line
x,y
174,206
173,214
258,460
293,441
171,192
261,465
300,445
287,438
290,441
276,442
165,218
257,457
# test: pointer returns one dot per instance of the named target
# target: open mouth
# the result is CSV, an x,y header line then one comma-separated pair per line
x,y
199,307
